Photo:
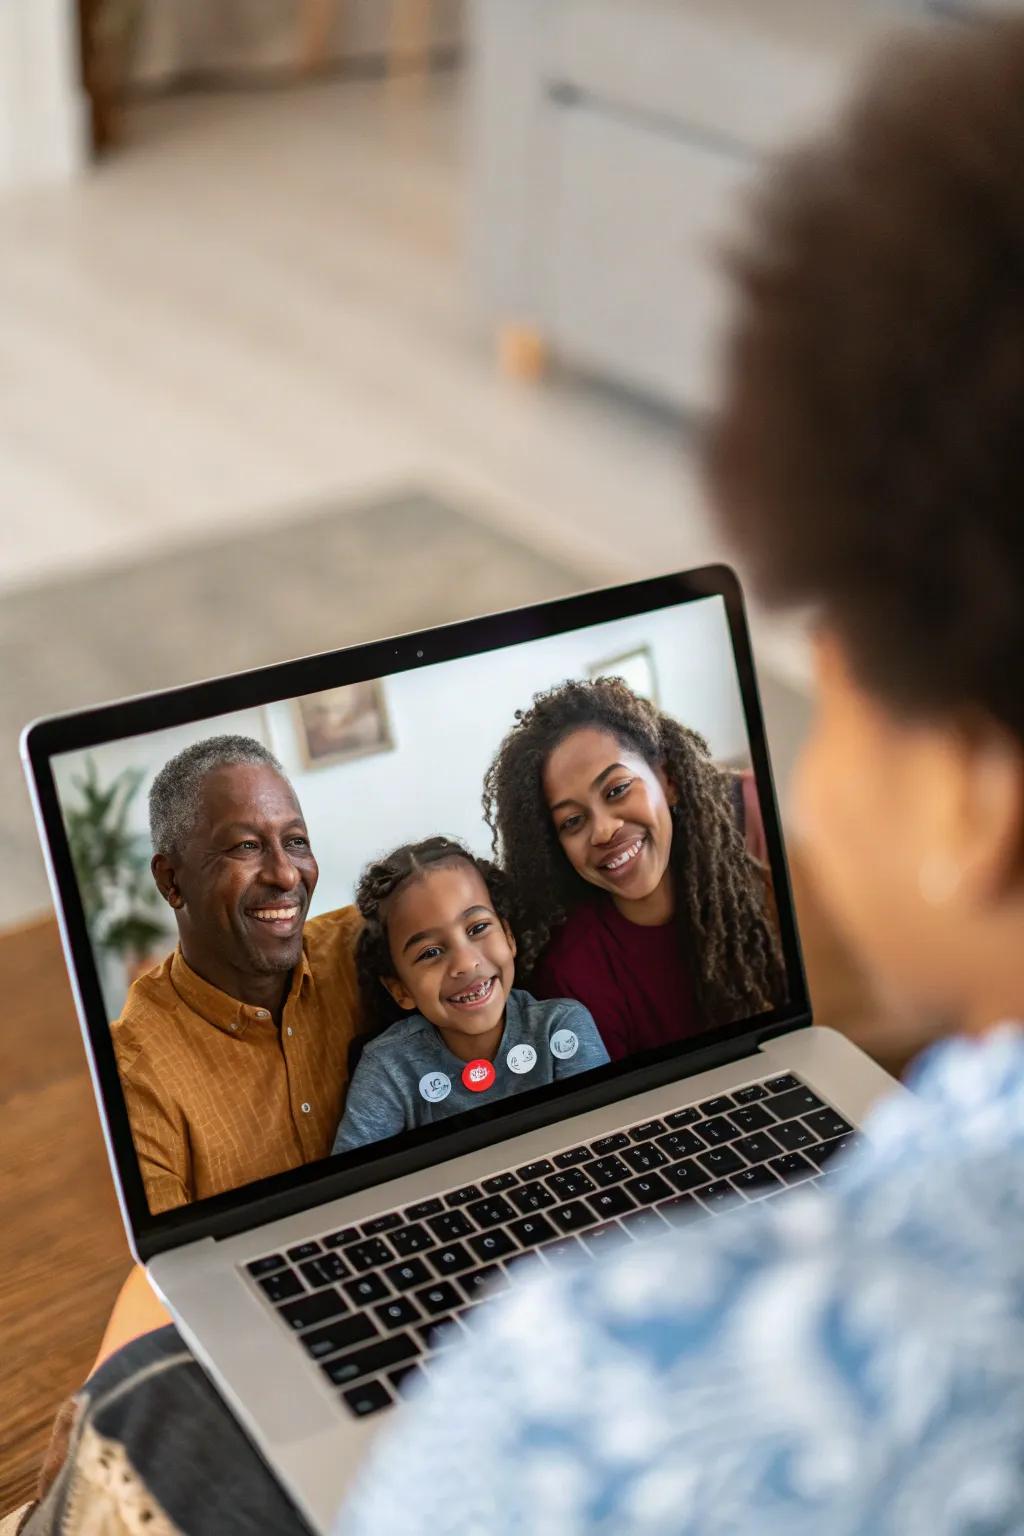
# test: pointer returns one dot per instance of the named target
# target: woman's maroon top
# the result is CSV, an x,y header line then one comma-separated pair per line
x,y
634,980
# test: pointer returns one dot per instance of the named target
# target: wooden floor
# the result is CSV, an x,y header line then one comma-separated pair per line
x,y
63,1254
62,1249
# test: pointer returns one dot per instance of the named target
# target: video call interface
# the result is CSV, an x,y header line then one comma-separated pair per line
x,y
336,920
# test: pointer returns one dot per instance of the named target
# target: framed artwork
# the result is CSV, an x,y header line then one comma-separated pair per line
x,y
343,723
636,668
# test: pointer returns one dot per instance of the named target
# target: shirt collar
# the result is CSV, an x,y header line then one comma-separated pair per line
x,y
219,1008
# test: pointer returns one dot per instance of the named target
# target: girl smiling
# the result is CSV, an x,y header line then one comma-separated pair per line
x,y
634,892
436,963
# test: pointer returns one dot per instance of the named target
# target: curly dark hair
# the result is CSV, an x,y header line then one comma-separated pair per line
x,y
725,934
379,883
868,458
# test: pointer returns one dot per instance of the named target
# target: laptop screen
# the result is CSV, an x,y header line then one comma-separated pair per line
x,y
329,924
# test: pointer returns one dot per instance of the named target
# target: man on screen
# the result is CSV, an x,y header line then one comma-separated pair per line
x,y
233,1052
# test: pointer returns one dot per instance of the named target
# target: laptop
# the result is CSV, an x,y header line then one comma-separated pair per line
x,y
317,1296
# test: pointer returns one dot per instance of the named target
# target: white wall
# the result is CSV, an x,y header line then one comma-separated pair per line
x,y
446,723
43,108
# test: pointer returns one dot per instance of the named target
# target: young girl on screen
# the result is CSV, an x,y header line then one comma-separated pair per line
x,y
634,891
446,1029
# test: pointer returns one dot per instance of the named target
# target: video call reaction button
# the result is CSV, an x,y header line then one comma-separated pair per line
x,y
435,1086
521,1059
564,1044
478,1075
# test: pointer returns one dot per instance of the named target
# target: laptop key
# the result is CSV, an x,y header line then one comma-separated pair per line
x,y
750,1094
610,1235
309,1310
717,1131
535,1170
412,1239
716,1106
751,1117
682,1117
462,1196
792,1135
801,1101
823,1151
435,1299
755,1181
611,1143
608,1170
398,1313
402,1276
720,1193
529,1230
531,1197
647,1131
612,1202
324,1270
369,1398
440,1332
423,1209
339,1335
499,1182
450,1225
492,1245
571,1184
266,1266
369,1254
680,1209
491,1212
488,1278
687,1175
646,1188
645,1158
381,1224
644,1224
780,1084
757,1148
371,1358
826,1124
563,1247
281,1286
520,1266
365,1290
303,1251
405,1377
792,1168
680,1144
720,1160
451,1259
572,1157
339,1239
571,1216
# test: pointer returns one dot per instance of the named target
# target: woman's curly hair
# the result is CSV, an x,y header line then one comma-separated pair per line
x,y
726,935
379,883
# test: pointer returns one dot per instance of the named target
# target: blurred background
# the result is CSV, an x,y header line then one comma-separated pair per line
x,y
322,320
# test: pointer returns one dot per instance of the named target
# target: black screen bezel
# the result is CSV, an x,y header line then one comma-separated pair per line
x,y
317,1182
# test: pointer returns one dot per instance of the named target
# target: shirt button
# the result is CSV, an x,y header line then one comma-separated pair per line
x,y
261,1013
234,1024
289,1030
305,1109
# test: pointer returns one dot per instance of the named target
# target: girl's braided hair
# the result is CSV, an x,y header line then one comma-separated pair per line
x,y
727,938
379,883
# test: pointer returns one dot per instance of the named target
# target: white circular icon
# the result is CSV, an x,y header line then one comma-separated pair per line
x,y
435,1087
477,1074
564,1044
521,1059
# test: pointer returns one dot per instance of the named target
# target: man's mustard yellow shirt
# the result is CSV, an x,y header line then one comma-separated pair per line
x,y
217,1095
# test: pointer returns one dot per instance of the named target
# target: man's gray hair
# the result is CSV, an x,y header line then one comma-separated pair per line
x,y
174,797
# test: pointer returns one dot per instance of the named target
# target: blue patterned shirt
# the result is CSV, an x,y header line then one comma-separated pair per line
x,y
846,1361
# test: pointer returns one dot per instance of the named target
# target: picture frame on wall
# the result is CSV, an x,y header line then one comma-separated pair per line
x,y
635,667
341,724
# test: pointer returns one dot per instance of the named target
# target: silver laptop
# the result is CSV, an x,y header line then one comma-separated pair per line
x,y
318,1297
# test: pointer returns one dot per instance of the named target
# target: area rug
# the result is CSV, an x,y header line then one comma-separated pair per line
x,y
310,582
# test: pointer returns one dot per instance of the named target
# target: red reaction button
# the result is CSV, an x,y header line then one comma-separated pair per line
x,y
478,1075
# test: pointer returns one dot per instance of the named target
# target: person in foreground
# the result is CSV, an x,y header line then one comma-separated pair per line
x,y
843,1362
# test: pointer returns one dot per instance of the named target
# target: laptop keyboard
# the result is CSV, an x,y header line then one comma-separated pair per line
x,y
373,1304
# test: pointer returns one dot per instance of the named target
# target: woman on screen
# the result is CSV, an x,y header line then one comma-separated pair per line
x,y
634,891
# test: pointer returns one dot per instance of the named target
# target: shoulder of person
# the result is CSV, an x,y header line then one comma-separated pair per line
x,y
150,1002
398,1034
340,927
553,1012
574,937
